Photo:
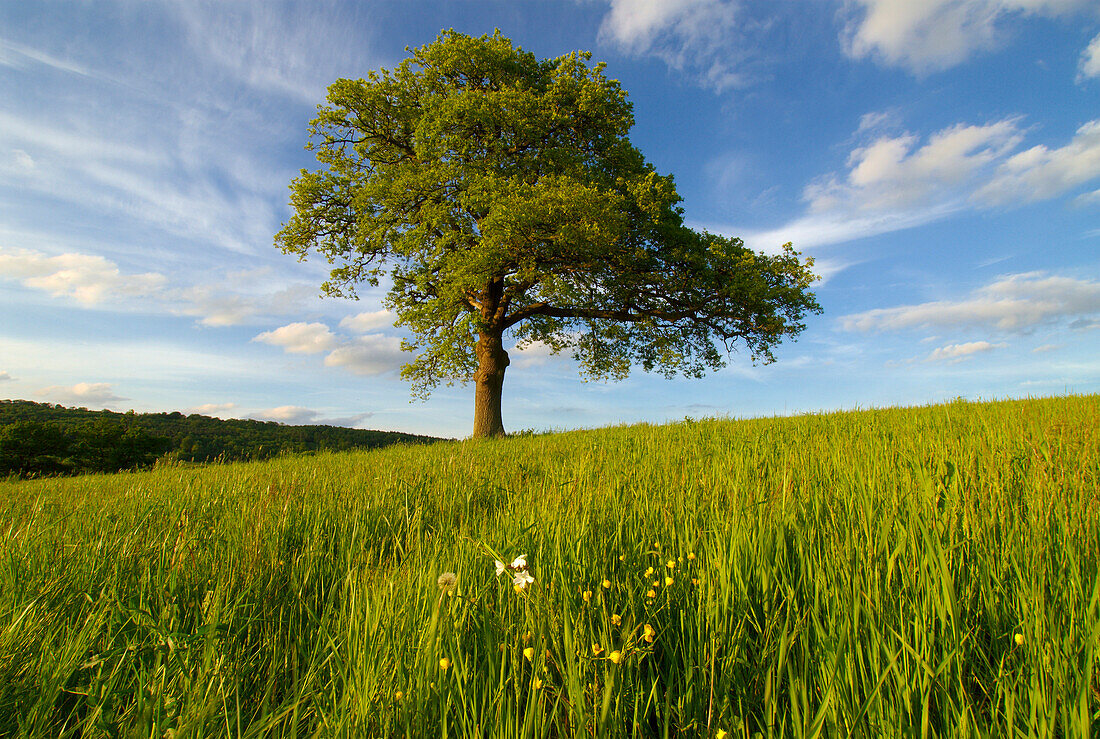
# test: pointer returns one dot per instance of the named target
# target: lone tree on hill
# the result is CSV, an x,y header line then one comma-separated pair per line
x,y
502,194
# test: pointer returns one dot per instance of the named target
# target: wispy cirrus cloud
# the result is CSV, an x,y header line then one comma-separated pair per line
x,y
933,35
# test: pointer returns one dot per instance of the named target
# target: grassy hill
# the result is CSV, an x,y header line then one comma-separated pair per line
x,y
907,572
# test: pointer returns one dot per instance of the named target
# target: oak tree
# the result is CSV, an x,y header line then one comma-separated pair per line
x,y
500,195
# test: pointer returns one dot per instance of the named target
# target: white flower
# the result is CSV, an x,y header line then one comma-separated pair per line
x,y
501,567
519,562
522,578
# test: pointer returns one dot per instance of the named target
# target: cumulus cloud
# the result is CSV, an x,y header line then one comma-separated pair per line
x,y
300,338
958,352
364,323
1040,173
686,34
88,278
81,394
289,414
1090,60
219,410
1014,304
4,376
895,172
370,355
295,415
895,182
933,35
531,355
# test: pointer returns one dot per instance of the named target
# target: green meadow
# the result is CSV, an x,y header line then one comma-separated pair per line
x,y
923,572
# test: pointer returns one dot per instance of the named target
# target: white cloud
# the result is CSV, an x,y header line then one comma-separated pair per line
x,y
698,34
81,394
958,352
4,376
1015,303
219,410
88,278
897,182
289,414
1090,60
1040,173
1044,348
366,322
931,35
532,355
896,173
300,338
370,355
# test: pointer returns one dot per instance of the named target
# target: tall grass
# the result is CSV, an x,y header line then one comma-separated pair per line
x,y
911,572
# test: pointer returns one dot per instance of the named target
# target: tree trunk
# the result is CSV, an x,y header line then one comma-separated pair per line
x,y
492,361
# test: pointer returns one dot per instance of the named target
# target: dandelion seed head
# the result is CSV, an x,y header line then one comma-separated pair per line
x,y
447,581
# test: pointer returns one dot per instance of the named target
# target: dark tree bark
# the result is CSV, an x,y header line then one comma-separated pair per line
x,y
492,362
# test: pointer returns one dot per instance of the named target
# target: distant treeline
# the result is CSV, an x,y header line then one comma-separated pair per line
x,y
38,439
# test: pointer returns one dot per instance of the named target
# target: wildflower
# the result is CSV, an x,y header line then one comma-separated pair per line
x,y
536,683
587,595
444,664
669,580
521,579
622,557
694,581
606,584
616,619
648,571
596,649
529,653
651,594
1019,640
398,695
615,657
447,581
691,555
671,564
721,734
519,563
656,545
648,633
501,567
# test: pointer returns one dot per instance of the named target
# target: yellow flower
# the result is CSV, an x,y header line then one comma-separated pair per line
x,y
651,594
444,664
670,564
656,583
615,657
1019,640
691,555
398,695
721,734
587,595
536,683
669,580
694,581
648,571
616,619
596,649
648,633
622,557
606,584
656,545
529,653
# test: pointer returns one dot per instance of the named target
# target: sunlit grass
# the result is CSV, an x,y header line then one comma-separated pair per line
x,y
911,572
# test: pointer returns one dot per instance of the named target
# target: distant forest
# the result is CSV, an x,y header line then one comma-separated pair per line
x,y
41,439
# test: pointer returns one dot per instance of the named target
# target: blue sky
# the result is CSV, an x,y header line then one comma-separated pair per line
x,y
940,160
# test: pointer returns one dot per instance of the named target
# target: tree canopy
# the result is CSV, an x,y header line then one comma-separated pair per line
x,y
500,193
